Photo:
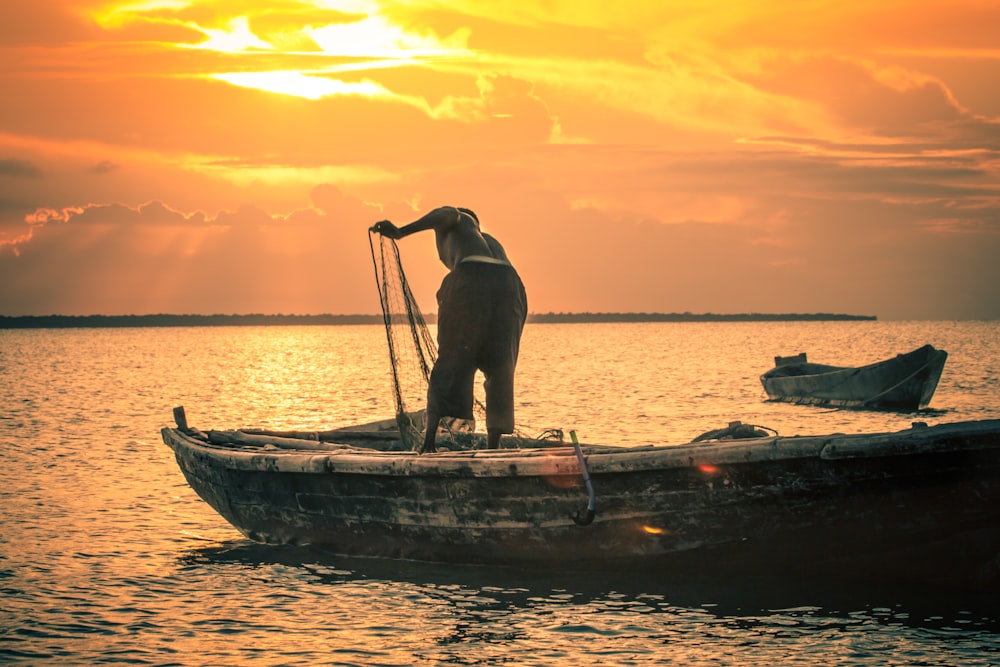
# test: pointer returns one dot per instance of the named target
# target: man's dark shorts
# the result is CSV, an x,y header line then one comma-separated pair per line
x,y
481,312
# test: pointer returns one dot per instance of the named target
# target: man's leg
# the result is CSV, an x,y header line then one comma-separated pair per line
x,y
430,435
499,405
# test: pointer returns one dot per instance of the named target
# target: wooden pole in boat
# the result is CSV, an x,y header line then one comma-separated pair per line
x,y
591,496
180,418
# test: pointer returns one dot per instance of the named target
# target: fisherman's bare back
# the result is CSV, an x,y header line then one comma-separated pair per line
x,y
456,232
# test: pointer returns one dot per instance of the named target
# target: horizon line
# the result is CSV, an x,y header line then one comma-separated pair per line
x,y
218,319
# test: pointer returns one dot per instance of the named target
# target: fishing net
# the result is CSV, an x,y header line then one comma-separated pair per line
x,y
412,349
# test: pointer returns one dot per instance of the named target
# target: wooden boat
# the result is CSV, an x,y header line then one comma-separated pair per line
x,y
922,503
904,382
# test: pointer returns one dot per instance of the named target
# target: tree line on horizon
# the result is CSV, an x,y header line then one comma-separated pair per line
x,y
167,320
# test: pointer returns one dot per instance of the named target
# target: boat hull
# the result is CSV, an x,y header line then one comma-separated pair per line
x,y
881,501
906,382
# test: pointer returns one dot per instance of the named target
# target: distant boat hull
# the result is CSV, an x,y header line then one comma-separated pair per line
x,y
905,382
923,502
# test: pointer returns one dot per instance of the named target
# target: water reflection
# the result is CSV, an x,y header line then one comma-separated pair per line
x,y
474,590
421,613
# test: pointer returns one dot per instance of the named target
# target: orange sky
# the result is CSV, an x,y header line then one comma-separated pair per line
x,y
228,156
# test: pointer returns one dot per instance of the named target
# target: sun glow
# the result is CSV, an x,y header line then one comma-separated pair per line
x,y
374,37
302,85
238,37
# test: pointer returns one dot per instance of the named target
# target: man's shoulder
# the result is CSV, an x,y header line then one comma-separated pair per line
x,y
495,247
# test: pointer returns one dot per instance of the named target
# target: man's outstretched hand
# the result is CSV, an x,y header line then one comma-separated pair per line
x,y
386,228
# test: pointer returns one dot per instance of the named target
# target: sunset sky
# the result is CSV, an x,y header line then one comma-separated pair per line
x,y
228,156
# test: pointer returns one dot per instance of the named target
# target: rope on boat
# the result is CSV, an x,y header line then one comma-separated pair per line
x,y
736,430
592,496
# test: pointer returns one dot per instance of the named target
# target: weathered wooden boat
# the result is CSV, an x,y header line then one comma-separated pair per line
x,y
905,382
922,503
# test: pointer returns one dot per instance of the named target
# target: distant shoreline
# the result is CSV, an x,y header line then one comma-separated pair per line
x,y
120,321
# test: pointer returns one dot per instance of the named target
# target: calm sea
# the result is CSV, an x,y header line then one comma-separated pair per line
x,y
108,557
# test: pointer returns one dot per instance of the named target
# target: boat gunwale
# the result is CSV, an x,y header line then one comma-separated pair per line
x,y
561,460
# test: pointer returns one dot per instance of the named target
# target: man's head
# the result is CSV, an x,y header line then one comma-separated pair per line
x,y
469,212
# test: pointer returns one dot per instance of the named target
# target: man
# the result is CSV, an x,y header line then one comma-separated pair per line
x,y
481,310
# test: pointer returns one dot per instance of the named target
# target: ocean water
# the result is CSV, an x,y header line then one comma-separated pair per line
x,y
108,557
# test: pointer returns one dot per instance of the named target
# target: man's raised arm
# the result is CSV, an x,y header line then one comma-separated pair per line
x,y
437,219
